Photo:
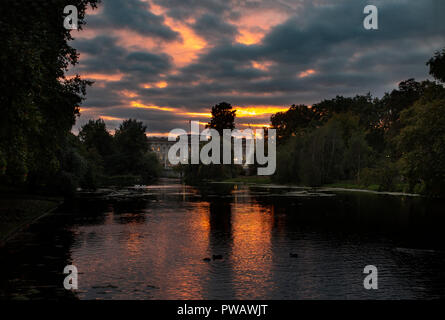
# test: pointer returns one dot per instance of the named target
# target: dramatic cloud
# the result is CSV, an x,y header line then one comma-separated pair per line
x,y
168,61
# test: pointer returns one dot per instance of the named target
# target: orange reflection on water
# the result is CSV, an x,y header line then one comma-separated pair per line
x,y
181,267
252,227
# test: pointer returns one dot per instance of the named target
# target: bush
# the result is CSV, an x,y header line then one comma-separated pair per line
x,y
373,187
420,188
386,176
150,167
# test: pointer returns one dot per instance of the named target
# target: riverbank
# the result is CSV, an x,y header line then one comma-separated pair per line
x,y
335,187
250,180
19,211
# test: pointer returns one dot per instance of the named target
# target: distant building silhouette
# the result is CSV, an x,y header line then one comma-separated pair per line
x,y
160,147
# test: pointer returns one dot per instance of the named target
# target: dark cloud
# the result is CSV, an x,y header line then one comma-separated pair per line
x,y
214,29
105,56
323,36
134,15
183,9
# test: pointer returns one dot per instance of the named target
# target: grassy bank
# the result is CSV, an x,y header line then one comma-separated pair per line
x,y
250,179
19,211
375,187
349,185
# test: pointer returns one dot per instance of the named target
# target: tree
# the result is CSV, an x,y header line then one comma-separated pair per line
x,y
288,157
223,117
295,121
394,103
421,142
437,65
96,138
131,144
334,151
38,104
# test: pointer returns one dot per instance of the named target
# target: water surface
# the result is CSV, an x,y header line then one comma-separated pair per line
x,y
150,243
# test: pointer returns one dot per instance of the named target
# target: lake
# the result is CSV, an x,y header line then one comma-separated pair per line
x,y
158,242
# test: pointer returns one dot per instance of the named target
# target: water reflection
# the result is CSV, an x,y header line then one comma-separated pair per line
x,y
225,241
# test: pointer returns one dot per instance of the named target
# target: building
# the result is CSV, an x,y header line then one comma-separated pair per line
x,y
160,147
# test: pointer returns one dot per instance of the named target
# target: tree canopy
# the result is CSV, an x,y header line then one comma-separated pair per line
x,y
223,117
396,142
39,104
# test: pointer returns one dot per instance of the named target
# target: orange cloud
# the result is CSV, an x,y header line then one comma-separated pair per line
x,y
256,125
185,51
262,65
248,37
253,111
128,93
241,112
197,114
144,106
157,134
108,118
254,24
103,77
160,84
306,73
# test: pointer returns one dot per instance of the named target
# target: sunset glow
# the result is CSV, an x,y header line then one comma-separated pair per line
x,y
144,106
248,38
254,111
306,73
174,61
103,77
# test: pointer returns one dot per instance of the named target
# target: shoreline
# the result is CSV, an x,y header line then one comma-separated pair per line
x,y
266,182
18,212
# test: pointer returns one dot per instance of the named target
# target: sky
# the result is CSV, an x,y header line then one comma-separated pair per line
x,y
166,62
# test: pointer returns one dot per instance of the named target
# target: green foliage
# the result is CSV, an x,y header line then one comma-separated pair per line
x,y
39,105
374,187
420,188
437,65
294,122
94,135
421,142
223,117
151,168
396,143
287,161
386,175
396,102
131,146
122,159
335,151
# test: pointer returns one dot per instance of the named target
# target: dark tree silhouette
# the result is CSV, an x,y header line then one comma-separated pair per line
x,y
131,145
292,122
38,104
94,135
437,65
223,117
